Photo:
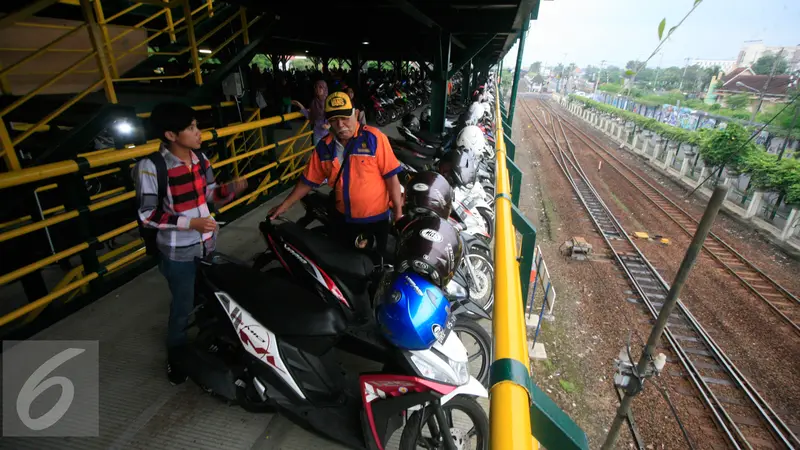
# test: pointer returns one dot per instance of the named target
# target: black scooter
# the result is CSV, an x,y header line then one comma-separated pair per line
x,y
265,342
352,280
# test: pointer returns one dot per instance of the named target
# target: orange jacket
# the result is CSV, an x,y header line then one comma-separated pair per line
x,y
361,193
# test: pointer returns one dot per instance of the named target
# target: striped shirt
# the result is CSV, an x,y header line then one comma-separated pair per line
x,y
186,199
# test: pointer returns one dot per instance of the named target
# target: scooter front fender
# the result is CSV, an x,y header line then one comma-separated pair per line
x,y
473,388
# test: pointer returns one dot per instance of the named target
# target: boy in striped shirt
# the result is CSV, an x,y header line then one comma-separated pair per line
x,y
185,226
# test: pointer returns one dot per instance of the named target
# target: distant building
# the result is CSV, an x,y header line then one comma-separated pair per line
x,y
726,65
745,81
752,50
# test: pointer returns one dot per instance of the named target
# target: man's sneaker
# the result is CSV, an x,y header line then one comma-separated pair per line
x,y
175,374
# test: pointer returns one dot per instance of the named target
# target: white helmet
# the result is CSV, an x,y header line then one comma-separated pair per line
x,y
475,113
471,138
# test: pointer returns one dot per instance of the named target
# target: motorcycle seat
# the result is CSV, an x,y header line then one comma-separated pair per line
x,y
329,254
435,139
276,301
417,162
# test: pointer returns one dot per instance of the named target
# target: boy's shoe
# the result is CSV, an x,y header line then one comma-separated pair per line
x,y
175,373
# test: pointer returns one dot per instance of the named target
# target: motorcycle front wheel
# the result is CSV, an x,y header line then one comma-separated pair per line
x,y
415,435
479,347
481,290
488,219
380,118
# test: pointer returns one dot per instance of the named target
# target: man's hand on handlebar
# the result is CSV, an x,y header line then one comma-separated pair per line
x,y
278,210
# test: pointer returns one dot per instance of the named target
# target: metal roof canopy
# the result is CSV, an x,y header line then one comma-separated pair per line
x,y
483,30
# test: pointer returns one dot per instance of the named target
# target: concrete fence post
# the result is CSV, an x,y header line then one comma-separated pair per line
x,y
687,161
670,156
755,205
656,144
790,229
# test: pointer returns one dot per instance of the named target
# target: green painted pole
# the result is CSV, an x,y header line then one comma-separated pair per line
x,y
517,71
466,81
441,63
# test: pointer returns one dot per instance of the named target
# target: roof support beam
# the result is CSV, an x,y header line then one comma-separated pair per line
x,y
420,17
468,55
25,12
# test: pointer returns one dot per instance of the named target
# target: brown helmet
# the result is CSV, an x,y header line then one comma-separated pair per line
x,y
429,193
430,246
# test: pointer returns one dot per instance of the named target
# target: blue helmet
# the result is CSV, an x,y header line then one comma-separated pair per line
x,y
413,312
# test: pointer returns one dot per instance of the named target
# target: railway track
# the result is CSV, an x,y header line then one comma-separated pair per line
x,y
782,302
743,418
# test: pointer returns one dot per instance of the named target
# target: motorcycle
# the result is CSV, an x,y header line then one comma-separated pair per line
x,y
266,343
475,274
351,279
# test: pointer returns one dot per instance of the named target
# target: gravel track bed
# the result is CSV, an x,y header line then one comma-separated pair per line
x,y
592,317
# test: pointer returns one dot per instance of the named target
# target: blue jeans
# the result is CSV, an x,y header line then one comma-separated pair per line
x,y
180,276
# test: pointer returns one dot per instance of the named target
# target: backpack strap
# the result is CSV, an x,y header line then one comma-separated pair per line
x,y
203,173
162,177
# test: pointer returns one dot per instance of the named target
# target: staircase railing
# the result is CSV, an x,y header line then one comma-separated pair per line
x,y
280,166
109,50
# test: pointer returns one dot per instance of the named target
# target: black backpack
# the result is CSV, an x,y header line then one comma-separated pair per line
x,y
149,234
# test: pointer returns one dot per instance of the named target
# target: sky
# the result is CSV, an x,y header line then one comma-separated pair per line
x,y
589,31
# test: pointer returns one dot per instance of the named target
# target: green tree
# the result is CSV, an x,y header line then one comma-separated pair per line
x,y
536,67
591,72
769,174
612,74
559,70
727,147
738,101
506,80
633,65
670,78
303,64
262,61
704,77
763,65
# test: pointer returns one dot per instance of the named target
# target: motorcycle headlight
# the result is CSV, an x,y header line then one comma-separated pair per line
x,y
455,290
461,369
438,370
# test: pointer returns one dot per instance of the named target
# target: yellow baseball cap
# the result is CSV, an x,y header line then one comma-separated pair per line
x,y
338,105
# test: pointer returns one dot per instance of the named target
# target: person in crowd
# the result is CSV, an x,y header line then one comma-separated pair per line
x,y
182,217
361,116
316,114
284,95
368,179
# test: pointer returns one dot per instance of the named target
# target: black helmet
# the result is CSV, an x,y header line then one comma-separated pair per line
x,y
430,246
459,167
411,122
429,193
425,116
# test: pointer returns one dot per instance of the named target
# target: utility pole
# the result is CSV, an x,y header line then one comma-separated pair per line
x,y
766,86
680,86
647,366
597,81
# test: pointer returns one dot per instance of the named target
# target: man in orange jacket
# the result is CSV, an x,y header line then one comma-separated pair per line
x,y
367,182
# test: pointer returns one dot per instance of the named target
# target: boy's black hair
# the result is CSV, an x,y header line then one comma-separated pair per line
x,y
171,116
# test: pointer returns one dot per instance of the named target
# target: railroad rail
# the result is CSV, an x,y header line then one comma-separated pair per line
x,y
743,418
776,297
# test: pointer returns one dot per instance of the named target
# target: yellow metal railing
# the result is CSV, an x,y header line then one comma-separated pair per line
x,y
108,57
509,413
48,187
287,155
